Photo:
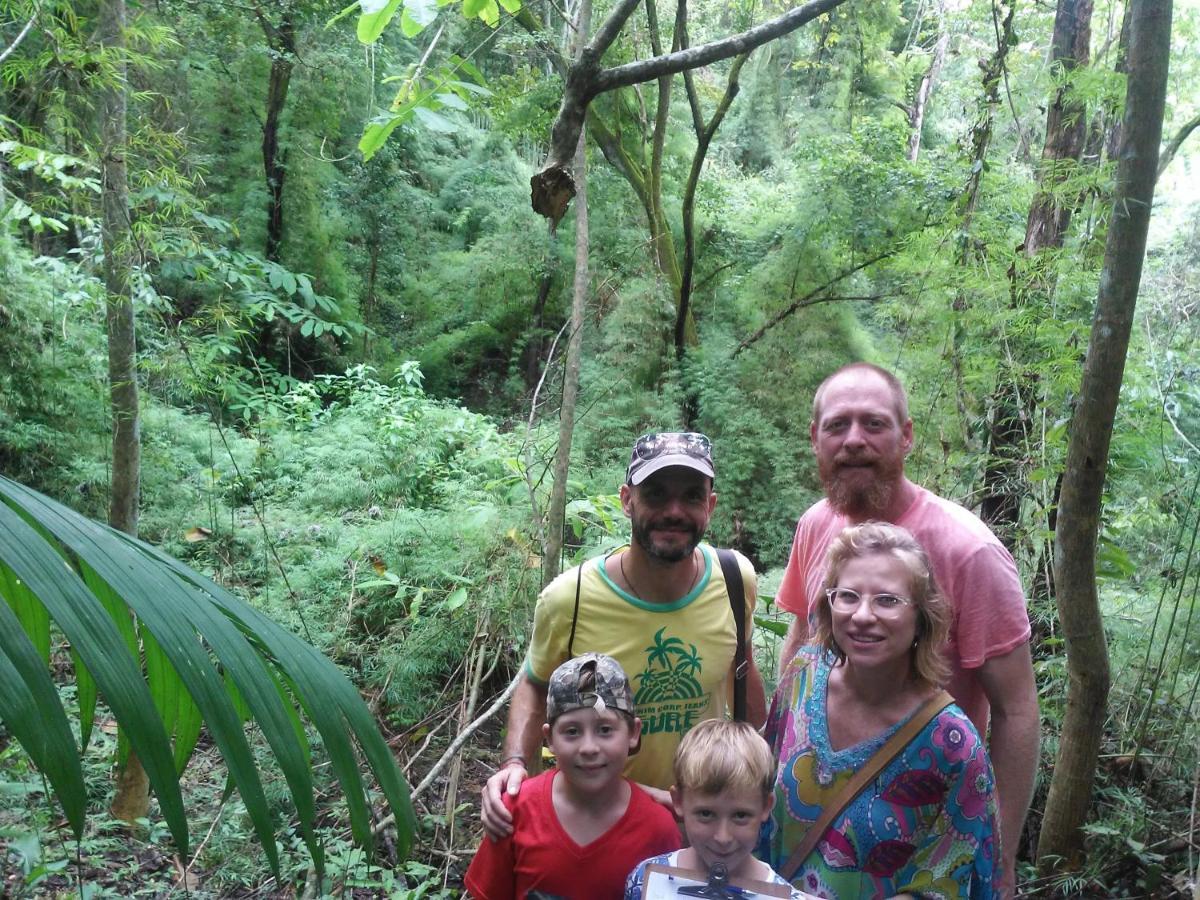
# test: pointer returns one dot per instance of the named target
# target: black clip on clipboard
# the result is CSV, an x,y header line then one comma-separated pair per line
x,y
717,885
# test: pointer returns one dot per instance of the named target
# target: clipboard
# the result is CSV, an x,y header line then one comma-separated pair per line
x,y
663,883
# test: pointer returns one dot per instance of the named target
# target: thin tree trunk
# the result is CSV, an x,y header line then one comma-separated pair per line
x,y
282,42
1066,128
132,799
370,301
916,117
981,132
1061,842
1015,399
551,563
537,341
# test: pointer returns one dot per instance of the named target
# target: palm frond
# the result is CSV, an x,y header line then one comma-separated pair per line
x,y
126,607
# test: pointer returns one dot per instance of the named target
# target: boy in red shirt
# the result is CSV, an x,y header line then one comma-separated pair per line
x,y
579,828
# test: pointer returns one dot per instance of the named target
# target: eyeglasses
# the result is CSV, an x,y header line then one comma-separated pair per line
x,y
847,600
655,444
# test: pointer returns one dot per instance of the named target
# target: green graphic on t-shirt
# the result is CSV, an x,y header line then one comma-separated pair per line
x,y
669,697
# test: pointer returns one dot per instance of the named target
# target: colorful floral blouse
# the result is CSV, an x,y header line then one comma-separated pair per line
x,y
924,826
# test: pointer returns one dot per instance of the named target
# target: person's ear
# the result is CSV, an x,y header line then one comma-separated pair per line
x,y
906,435
546,732
635,733
712,502
626,495
677,801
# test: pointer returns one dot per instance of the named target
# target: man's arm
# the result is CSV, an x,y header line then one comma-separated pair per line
x,y
756,694
1008,683
526,715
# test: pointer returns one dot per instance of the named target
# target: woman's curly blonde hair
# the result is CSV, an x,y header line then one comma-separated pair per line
x,y
933,612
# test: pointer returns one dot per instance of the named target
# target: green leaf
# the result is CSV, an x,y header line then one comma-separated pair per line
x,y
465,87
472,8
194,626
306,328
490,14
511,6
376,134
422,12
778,628
465,65
409,27
452,101
371,25
456,599
343,13
435,122
306,290
37,720
99,643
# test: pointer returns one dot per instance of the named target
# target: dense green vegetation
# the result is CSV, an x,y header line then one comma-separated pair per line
x,y
349,413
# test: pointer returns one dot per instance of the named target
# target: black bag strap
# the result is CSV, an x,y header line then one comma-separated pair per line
x,y
737,603
575,614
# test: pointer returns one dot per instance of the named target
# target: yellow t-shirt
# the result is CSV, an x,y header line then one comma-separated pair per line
x,y
677,655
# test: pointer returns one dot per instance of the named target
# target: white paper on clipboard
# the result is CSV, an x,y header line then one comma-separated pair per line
x,y
663,883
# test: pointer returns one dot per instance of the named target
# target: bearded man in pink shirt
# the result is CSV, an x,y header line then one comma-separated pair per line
x,y
861,433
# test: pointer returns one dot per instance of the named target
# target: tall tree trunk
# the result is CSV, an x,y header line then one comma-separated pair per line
x,y
132,799
1061,842
537,338
281,40
370,298
916,113
1014,401
980,142
552,551
981,131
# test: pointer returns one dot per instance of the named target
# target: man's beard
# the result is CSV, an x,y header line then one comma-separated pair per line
x,y
850,497
673,554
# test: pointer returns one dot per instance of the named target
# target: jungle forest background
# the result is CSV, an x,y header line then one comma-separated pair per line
x,y
273,298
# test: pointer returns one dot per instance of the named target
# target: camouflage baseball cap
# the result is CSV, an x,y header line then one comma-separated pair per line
x,y
608,687
659,450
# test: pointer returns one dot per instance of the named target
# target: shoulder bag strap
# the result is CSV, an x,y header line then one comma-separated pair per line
x,y
863,777
575,613
737,602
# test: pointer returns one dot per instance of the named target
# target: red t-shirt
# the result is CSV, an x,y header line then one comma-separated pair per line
x,y
540,855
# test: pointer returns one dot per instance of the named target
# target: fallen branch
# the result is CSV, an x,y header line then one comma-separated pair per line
x,y
452,751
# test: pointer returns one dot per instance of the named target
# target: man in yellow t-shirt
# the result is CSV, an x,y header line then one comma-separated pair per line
x,y
658,605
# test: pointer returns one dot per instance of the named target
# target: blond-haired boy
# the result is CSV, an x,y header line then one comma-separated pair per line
x,y
724,776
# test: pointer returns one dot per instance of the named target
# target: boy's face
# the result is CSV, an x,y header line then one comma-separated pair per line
x,y
591,748
723,828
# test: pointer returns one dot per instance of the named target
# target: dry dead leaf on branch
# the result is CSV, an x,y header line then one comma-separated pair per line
x,y
197,534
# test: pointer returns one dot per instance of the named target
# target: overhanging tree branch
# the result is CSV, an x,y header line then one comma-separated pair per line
x,y
20,37
812,298
1173,145
552,187
713,51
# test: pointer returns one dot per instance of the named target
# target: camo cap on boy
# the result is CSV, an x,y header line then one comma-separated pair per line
x,y
609,688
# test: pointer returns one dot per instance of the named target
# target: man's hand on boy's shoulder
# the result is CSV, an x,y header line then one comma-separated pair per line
x,y
497,817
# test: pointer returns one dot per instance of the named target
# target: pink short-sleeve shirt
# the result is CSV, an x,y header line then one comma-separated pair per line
x,y
971,566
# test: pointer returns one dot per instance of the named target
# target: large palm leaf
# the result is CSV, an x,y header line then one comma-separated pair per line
x,y
126,609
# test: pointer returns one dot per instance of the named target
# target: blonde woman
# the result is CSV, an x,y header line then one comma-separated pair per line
x,y
866,696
